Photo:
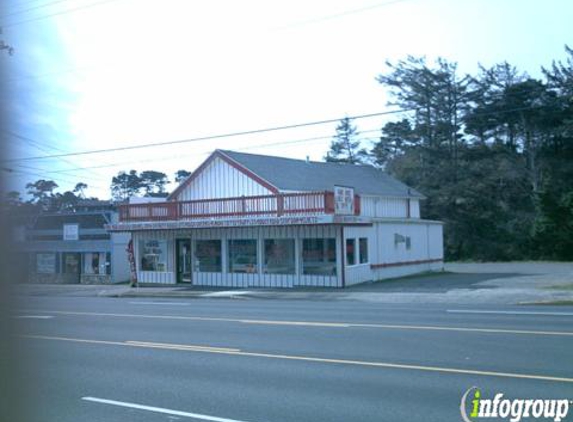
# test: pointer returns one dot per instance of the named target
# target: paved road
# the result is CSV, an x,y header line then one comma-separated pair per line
x,y
145,359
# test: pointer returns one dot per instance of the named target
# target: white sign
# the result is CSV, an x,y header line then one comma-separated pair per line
x,y
250,222
71,232
343,200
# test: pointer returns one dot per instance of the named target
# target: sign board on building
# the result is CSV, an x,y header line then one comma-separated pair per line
x,y
71,231
343,200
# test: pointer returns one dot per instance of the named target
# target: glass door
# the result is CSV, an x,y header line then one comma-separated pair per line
x,y
184,260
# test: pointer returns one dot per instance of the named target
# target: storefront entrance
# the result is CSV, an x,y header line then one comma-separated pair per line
x,y
71,267
183,260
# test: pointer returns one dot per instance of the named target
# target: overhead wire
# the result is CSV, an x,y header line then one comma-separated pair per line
x,y
209,137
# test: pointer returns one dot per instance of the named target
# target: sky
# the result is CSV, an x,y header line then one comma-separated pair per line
x,y
98,74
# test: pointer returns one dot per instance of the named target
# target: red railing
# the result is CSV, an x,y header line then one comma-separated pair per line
x,y
291,204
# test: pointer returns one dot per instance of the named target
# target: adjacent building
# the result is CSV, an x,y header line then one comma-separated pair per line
x,y
74,246
245,220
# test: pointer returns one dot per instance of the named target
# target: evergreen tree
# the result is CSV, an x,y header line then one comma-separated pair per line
x,y
345,147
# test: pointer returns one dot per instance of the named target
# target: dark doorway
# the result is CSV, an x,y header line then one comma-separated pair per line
x,y
183,260
71,267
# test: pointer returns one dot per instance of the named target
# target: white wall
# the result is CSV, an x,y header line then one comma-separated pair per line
x,y
119,259
221,180
377,206
359,273
426,244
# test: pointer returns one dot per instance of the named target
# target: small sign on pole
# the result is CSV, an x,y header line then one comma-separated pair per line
x,y
343,200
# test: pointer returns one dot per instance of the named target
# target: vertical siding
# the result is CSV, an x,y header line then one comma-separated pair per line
x,y
377,206
426,244
221,180
415,208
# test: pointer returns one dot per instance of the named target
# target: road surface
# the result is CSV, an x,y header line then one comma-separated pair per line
x,y
147,359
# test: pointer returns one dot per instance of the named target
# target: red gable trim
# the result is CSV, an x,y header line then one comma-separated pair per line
x,y
229,161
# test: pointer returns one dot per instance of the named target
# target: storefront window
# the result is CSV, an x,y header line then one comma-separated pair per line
x,y
97,263
153,255
46,263
363,250
350,251
319,256
208,256
279,256
243,256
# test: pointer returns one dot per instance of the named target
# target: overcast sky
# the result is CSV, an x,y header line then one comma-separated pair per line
x,y
96,74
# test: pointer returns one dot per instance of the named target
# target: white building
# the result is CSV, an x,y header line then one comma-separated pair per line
x,y
244,220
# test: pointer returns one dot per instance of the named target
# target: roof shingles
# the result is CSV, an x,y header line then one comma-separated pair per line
x,y
298,175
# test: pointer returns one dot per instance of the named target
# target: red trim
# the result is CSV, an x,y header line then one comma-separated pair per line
x,y
399,264
304,203
247,172
231,162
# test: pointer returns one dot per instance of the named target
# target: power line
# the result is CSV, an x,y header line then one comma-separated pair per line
x,y
42,147
179,156
40,6
63,12
210,137
42,175
251,132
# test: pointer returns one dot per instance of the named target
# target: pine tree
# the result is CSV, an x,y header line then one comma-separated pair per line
x,y
345,147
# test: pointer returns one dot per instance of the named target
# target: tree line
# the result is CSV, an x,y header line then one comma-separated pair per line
x,y
44,197
493,153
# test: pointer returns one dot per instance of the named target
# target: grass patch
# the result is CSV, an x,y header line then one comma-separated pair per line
x,y
553,303
561,287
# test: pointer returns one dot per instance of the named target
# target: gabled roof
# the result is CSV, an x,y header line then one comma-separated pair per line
x,y
287,174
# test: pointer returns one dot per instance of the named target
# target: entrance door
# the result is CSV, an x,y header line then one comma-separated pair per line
x,y
71,267
183,260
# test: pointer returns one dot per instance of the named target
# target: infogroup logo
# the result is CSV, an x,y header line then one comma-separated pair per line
x,y
513,409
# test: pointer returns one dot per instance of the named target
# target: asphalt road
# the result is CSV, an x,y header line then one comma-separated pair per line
x,y
104,359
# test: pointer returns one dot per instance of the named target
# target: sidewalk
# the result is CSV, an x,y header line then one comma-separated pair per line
x,y
488,283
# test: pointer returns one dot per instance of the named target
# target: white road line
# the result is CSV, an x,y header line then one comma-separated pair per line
x,y
33,316
160,303
159,410
479,311
320,324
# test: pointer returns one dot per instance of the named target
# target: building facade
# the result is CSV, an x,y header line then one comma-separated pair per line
x,y
74,247
244,220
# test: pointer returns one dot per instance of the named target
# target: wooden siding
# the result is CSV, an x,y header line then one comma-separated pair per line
x,y
221,180
377,206
395,259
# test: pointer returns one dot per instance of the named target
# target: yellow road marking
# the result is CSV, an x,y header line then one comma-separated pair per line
x,y
322,324
238,352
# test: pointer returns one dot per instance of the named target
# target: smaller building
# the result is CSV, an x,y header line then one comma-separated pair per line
x,y
73,246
